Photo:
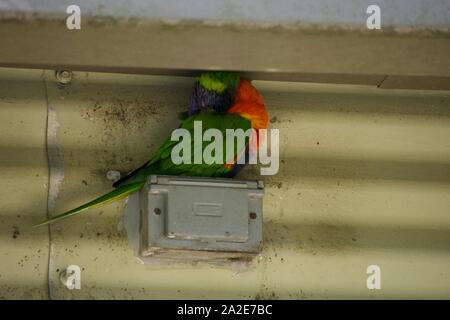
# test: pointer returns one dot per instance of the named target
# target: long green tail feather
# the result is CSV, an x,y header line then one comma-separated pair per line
x,y
114,195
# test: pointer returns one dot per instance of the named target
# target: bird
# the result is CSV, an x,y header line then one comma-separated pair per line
x,y
214,91
220,100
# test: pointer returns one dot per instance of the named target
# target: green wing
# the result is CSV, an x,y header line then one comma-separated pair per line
x,y
162,163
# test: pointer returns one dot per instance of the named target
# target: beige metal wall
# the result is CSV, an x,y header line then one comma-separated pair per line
x,y
364,179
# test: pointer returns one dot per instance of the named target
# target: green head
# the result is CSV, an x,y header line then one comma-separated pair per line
x,y
219,81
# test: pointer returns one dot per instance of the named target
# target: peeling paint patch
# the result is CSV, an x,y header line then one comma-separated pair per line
x,y
55,162
56,177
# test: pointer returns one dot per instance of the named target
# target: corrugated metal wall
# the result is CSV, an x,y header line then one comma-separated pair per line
x,y
364,179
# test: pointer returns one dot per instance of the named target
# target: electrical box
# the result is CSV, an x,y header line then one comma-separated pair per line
x,y
193,218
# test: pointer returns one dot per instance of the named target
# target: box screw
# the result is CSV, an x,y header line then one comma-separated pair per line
x,y
157,211
113,175
252,215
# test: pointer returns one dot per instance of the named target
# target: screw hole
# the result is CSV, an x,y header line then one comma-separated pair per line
x,y
157,211
63,76
252,215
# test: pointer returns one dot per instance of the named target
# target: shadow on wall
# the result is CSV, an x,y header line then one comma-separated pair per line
x,y
309,238
302,237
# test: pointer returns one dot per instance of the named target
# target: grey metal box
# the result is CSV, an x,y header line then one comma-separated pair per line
x,y
205,218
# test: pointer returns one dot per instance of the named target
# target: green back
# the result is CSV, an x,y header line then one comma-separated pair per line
x,y
162,163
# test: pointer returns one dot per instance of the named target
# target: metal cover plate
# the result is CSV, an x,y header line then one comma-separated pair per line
x,y
201,214
198,213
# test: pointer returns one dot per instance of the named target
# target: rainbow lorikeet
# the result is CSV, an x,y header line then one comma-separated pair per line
x,y
221,100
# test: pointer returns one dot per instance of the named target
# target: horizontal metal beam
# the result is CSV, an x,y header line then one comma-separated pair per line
x,y
385,59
